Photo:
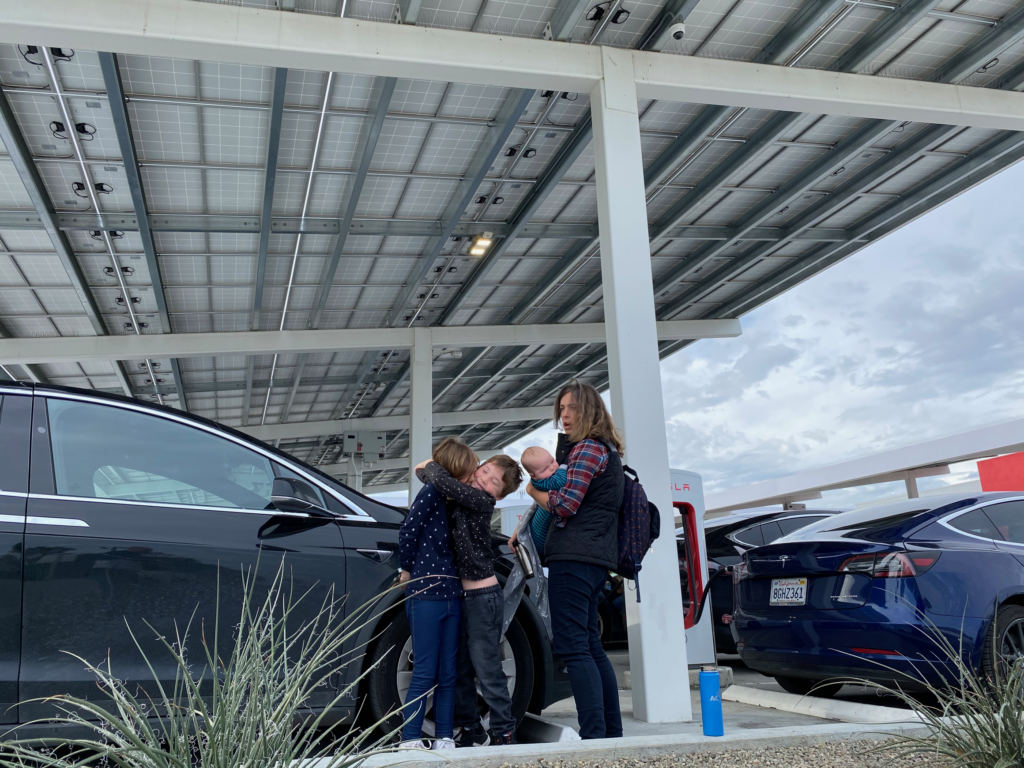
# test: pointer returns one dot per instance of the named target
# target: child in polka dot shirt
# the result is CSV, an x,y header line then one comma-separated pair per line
x,y
433,601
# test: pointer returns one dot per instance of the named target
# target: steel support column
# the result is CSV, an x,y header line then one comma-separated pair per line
x,y
657,657
369,146
126,143
269,182
420,406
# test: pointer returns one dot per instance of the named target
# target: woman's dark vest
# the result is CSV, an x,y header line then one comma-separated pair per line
x,y
592,534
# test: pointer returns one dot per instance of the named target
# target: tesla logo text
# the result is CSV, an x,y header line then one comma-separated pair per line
x,y
686,487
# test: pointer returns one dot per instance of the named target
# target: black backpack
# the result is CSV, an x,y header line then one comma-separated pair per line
x,y
639,526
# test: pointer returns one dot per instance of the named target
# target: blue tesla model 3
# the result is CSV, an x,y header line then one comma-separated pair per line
x,y
865,594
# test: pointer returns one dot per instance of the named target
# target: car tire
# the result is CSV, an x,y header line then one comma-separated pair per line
x,y
604,626
391,658
804,687
1009,623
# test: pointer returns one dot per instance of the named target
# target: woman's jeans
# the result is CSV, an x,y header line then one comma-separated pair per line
x,y
435,626
574,590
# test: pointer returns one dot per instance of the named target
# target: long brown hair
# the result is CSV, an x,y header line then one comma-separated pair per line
x,y
592,418
456,458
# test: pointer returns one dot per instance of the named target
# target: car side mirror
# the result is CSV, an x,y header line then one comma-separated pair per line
x,y
290,494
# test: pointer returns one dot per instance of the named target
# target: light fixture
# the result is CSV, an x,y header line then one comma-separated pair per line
x,y
481,243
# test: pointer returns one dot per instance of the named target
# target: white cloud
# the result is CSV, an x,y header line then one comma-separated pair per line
x,y
916,336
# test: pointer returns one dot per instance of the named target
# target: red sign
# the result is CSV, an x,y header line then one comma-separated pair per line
x,y
686,487
1003,473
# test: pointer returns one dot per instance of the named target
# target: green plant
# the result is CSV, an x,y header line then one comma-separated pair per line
x,y
250,710
974,720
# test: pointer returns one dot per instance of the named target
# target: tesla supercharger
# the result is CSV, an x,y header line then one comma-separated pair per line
x,y
688,499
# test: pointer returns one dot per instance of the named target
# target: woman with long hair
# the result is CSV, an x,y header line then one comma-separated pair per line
x,y
582,546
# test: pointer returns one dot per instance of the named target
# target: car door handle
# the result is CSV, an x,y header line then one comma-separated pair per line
x,y
377,555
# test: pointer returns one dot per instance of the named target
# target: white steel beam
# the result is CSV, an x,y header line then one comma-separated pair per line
x,y
227,33
268,432
385,465
385,488
657,658
66,349
421,402
926,459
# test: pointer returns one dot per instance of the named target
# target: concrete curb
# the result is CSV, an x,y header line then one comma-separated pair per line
x,y
725,677
633,747
830,709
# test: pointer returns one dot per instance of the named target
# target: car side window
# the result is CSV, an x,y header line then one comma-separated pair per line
x,y
107,452
771,531
752,537
791,524
976,523
1008,519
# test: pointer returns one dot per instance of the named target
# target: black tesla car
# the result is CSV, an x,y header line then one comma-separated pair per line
x,y
726,539
115,513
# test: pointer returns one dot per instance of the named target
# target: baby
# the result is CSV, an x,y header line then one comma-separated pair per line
x,y
546,475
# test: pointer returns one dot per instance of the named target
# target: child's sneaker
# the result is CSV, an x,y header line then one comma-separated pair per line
x,y
440,744
474,737
412,744
503,739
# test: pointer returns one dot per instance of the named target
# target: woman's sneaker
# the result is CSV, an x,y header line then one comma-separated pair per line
x,y
412,744
440,744
474,737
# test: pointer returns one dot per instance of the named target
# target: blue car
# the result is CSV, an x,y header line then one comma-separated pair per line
x,y
862,594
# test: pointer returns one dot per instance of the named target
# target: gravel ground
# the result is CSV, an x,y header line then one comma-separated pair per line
x,y
838,754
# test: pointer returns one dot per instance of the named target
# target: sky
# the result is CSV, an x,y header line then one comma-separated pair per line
x,y
917,336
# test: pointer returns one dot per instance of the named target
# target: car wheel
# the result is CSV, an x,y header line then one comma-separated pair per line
x,y
1009,623
802,687
603,627
393,656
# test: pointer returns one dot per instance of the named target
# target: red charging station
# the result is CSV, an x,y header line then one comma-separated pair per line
x,y
688,500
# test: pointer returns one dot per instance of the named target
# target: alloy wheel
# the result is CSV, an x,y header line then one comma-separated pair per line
x,y
1011,647
404,678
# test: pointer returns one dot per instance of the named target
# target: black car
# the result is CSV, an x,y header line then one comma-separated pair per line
x,y
115,513
726,539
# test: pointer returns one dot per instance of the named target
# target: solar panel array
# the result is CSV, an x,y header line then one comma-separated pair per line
x,y
743,203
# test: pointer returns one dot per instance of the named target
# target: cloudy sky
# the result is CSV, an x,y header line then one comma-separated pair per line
x,y
917,336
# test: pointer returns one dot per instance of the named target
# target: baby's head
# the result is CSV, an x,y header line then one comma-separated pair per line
x,y
456,458
538,463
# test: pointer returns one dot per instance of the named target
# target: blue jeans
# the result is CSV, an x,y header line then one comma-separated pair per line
x,y
435,627
574,590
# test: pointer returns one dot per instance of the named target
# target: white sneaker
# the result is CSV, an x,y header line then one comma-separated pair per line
x,y
440,744
412,744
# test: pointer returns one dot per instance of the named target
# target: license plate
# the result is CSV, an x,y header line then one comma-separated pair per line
x,y
788,592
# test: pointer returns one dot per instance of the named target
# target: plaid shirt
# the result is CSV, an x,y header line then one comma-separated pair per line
x,y
587,459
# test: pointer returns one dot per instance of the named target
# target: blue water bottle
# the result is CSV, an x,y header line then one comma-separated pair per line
x,y
711,702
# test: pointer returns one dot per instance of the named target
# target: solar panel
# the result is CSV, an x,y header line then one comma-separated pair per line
x,y
202,132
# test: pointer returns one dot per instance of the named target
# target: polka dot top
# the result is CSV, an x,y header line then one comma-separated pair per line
x,y
425,551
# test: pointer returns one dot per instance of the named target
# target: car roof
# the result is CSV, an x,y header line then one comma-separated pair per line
x,y
887,514
722,526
